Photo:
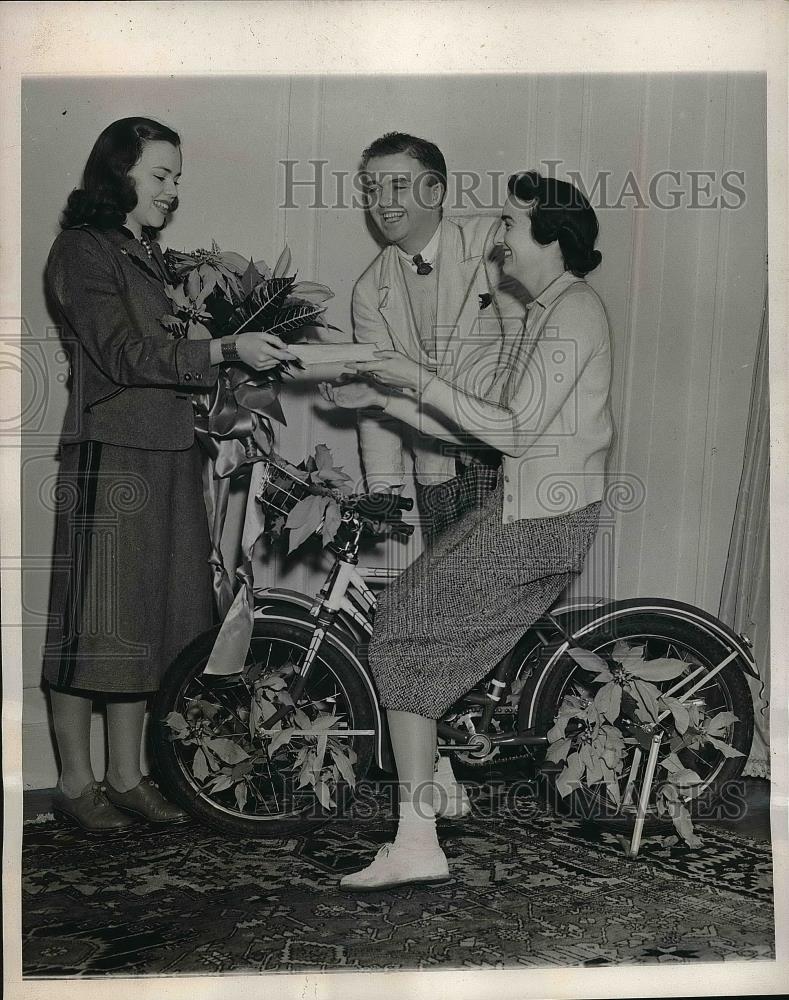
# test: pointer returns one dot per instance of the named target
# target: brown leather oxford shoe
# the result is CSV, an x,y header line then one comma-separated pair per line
x,y
91,810
147,801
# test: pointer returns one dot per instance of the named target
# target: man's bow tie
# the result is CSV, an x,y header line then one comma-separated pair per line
x,y
422,266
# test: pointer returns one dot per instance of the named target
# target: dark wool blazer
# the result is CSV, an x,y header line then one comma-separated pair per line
x,y
130,381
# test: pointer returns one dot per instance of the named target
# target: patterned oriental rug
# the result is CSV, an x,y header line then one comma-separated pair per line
x,y
529,890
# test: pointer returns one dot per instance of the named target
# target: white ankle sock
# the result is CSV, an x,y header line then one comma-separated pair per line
x,y
416,827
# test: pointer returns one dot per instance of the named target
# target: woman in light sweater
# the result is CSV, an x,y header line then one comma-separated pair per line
x,y
445,623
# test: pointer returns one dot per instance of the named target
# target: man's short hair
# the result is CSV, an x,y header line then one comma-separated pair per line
x,y
424,152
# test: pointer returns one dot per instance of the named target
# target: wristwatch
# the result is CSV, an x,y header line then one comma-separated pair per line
x,y
229,349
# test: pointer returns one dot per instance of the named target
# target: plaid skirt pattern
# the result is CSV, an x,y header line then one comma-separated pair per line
x,y
131,584
442,505
467,600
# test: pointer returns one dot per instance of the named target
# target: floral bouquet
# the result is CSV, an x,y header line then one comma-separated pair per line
x,y
219,293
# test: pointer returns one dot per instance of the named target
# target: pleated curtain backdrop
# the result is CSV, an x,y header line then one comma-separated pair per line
x,y
745,595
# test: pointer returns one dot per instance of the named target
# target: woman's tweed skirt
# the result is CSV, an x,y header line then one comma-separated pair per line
x,y
467,600
131,584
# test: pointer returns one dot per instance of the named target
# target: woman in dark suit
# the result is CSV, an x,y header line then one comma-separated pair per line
x,y
131,583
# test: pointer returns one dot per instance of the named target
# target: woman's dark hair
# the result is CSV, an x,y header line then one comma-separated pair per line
x,y
107,194
560,212
425,152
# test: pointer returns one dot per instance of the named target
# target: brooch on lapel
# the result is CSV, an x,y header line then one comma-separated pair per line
x,y
485,300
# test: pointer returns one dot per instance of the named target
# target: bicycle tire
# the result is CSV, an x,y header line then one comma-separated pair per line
x,y
662,632
175,760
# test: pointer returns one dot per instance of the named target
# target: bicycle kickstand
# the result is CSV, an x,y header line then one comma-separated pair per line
x,y
646,788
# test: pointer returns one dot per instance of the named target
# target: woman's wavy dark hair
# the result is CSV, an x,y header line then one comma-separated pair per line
x,y
107,194
560,212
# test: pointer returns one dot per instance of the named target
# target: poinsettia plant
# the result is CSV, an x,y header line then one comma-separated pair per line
x,y
588,732
219,293
233,748
319,510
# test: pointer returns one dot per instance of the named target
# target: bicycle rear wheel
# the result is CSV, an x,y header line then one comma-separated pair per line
x,y
216,759
659,636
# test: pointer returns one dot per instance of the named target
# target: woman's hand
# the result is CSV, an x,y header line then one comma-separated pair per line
x,y
354,395
394,369
262,350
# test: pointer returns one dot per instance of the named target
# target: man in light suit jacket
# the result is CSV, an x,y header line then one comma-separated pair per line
x,y
427,294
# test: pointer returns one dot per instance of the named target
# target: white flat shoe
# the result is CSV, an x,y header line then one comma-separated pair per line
x,y
395,866
450,799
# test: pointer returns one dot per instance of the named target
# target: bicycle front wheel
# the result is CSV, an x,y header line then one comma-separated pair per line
x,y
216,757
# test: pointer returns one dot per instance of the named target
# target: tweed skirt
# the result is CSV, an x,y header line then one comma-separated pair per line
x,y
131,584
467,600
441,505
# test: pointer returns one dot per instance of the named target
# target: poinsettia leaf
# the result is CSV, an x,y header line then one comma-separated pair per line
x,y
323,722
558,751
715,725
250,279
661,669
220,783
323,793
573,765
176,722
172,324
200,765
331,522
305,519
280,739
588,660
209,709
323,457
241,795
193,284
344,766
608,701
282,266
567,782
594,771
307,511
678,710
686,778
233,261
198,331
646,696
557,731
227,750
684,825
301,719
672,764
725,749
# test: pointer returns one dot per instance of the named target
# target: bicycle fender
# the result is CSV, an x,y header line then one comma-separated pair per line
x,y
673,609
281,599
281,608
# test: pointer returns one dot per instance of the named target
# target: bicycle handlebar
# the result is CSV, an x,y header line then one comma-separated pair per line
x,y
378,506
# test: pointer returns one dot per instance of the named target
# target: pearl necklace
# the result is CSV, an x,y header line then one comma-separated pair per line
x,y
146,244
